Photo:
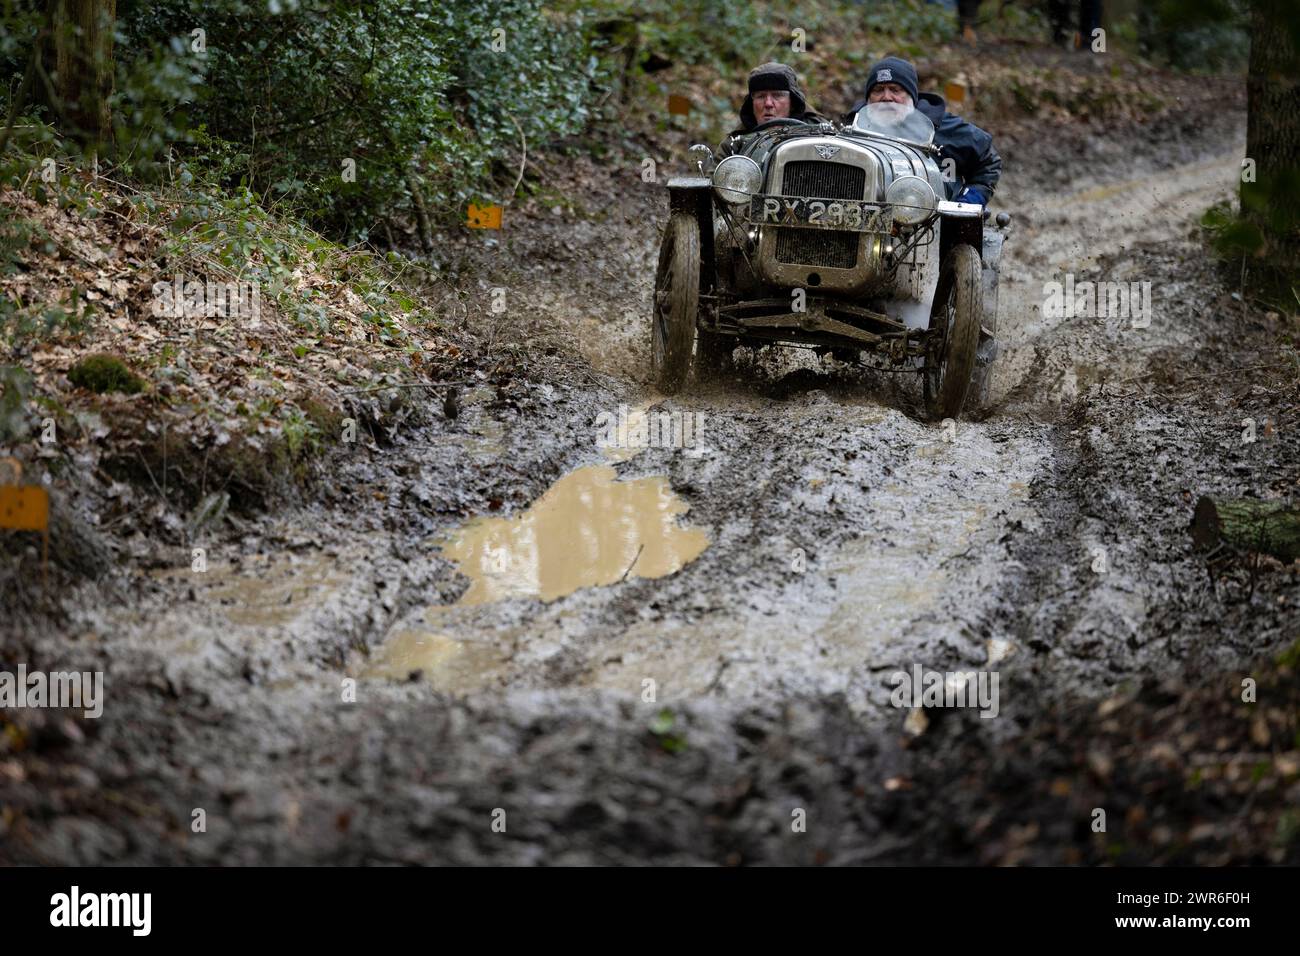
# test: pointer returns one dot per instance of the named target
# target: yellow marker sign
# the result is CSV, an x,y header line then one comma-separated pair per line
x,y
26,508
954,91
484,217
678,105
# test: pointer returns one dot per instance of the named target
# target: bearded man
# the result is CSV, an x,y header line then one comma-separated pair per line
x,y
892,94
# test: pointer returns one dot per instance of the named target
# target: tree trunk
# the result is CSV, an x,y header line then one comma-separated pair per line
x,y
1271,203
421,213
83,64
1248,524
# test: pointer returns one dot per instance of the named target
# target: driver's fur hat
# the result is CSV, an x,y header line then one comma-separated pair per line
x,y
773,76
893,69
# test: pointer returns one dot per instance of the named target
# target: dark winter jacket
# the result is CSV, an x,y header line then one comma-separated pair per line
x,y
969,147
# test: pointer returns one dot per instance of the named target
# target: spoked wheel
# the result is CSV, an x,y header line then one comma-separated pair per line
x,y
955,316
677,303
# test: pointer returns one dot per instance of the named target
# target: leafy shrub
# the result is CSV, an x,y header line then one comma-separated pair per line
x,y
152,90
914,20
1203,35
708,31
398,88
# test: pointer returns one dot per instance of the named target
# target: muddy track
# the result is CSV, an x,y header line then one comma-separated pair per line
x,y
815,539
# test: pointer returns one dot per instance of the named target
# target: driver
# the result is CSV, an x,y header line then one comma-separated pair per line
x,y
891,96
774,93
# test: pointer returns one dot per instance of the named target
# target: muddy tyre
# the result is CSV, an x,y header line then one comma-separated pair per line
x,y
978,396
676,303
956,315
986,352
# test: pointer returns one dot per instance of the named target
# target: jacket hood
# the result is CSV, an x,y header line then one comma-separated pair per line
x,y
932,105
773,76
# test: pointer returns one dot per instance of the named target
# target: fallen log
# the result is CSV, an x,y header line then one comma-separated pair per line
x,y
1248,524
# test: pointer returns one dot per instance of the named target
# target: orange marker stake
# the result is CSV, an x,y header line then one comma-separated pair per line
x,y
678,105
26,508
954,91
484,217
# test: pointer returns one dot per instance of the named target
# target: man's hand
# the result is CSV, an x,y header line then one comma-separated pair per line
x,y
972,194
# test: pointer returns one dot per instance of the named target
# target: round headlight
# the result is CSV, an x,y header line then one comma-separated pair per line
x,y
737,178
912,199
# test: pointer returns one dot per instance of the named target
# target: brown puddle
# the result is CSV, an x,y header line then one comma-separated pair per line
x,y
449,664
587,530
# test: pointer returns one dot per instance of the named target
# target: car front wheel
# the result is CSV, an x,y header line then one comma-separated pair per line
x,y
676,304
955,322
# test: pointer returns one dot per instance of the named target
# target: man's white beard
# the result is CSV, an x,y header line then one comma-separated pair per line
x,y
888,114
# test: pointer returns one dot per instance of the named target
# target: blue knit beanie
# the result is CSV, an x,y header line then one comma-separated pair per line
x,y
894,70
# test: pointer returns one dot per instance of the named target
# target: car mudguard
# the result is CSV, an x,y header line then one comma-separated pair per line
x,y
694,195
991,256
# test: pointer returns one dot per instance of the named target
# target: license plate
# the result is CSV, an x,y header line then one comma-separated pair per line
x,y
845,215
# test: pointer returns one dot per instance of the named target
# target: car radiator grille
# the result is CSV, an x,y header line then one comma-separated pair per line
x,y
823,180
815,247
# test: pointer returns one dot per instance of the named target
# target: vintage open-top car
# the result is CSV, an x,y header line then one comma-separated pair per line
x,y
835,238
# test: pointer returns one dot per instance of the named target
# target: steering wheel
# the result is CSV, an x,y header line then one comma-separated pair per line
x,y
779,121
